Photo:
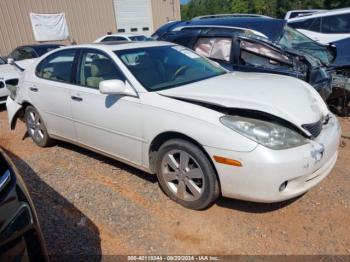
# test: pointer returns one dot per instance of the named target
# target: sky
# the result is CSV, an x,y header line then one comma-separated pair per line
x,y
184,1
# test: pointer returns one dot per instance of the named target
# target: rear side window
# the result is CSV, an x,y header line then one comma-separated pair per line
x,y
218,48
336,24
113,38
304,24
23,53
58,66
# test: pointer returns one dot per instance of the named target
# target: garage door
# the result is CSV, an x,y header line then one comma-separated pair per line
x,y
134,16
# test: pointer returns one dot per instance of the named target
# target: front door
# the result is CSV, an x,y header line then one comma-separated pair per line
x,y
109,123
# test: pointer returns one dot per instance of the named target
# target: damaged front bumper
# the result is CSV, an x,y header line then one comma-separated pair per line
x,y
275,175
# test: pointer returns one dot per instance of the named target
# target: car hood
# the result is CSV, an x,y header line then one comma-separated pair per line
x,y
285,97
8,72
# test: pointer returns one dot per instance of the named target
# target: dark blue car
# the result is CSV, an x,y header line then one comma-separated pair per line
x,y
278,34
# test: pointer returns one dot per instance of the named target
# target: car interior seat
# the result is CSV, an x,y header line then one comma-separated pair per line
x,y
101,69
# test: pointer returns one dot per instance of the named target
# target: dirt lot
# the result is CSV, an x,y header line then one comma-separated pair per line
x,y
89,204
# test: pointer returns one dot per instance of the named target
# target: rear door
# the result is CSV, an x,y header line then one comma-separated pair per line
x,y
50,92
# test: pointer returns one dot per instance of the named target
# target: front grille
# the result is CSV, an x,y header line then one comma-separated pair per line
x,y
2,85
314,128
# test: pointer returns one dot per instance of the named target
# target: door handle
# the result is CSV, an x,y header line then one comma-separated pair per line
x,y
76,98
34,89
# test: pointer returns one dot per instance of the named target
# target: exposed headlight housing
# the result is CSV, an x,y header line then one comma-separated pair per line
x,y
268,134
11,85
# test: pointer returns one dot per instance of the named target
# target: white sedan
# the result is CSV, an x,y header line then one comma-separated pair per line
x,y
121,37
9,74
168,111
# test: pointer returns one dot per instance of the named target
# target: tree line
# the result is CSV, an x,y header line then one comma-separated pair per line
x,y
274,8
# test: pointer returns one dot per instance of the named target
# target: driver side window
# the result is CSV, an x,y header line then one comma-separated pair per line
x,y
259,55
96,67
218,48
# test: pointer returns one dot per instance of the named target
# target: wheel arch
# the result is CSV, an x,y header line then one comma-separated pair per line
x,y
161,138
19,114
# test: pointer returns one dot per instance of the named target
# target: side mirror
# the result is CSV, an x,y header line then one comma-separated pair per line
x,y
116,87
10,61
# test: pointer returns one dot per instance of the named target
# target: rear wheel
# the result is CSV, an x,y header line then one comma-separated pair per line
x,y
36,127
186,175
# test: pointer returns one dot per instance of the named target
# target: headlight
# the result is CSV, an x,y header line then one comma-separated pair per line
x,y
267,134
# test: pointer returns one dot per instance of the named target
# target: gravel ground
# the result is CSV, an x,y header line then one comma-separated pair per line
x,y
91,205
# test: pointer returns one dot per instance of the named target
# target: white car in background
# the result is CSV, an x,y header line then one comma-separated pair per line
x,y
299,13
324,27
26,54
22,56
8,75
166,110
121,37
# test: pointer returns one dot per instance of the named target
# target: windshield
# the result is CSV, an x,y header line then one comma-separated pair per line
x,y
163,67
293,39
138,38
2,62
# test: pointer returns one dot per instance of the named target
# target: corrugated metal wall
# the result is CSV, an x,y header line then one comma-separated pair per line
x,y
165,11
87,19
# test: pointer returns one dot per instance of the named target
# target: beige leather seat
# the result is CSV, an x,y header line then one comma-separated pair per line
x,y
101,69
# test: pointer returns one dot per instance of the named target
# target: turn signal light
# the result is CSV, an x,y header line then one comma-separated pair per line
x,y
227,161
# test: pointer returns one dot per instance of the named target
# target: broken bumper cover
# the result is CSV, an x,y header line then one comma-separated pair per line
x,y
12,109
264,172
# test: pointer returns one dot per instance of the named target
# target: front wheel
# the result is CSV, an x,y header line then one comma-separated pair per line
x,y
36,127
186,175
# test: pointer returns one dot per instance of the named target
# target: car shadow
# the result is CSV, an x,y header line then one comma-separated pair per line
x,y
110,161
244,206
69,234
253,207
2,107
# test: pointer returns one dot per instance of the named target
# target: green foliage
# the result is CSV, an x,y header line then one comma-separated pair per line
x,y
274,8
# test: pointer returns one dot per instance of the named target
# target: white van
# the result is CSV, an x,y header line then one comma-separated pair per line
x,y
324,27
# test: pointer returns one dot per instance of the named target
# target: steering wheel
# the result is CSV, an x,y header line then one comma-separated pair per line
x,y
179,71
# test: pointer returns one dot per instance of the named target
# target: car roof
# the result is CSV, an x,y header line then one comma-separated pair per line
x,y
227,15
124,34
306,10
322,13
270,27
40,45
122,45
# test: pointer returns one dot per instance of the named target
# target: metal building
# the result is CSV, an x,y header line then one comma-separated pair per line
x,y
86,19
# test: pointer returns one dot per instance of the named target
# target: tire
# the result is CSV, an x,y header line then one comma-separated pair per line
x,y
186,175
36,127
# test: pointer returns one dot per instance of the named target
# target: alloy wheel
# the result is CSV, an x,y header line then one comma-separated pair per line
x,y
35,126
183,175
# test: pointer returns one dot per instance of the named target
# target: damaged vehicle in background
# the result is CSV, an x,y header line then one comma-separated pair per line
x,y
238,50
9,75
19,59
286,38
164,109
21,238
